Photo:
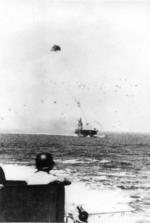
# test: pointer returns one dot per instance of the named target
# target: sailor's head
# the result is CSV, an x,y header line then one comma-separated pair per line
x,y
44,162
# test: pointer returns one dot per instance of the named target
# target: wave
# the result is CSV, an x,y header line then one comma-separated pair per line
x,y
77,161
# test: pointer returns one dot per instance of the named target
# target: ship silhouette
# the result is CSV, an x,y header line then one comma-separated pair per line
x,y
81,131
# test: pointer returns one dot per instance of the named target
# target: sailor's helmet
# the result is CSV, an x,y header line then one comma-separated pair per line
x,y
44,161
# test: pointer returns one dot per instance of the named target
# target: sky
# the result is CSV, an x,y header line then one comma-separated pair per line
x,y
103,64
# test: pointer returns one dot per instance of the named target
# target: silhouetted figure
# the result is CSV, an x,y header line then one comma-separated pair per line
x,y
44,164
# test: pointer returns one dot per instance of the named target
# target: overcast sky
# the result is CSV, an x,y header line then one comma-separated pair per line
x,y
104,63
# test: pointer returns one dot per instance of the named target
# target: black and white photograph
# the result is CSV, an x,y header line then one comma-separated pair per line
x,y
75,111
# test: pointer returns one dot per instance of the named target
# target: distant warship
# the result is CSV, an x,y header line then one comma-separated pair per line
x,y
80,131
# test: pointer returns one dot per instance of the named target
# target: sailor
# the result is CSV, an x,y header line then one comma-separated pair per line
x,y
44,164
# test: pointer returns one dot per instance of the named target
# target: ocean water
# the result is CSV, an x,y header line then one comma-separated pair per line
x,y
110,174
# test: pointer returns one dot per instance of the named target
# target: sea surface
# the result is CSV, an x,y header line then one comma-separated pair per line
x,y
110,174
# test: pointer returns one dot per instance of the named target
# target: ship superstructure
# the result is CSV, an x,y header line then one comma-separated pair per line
x,y
81,131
